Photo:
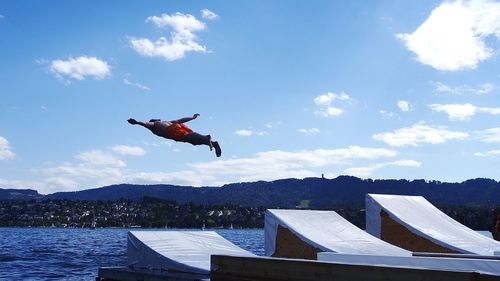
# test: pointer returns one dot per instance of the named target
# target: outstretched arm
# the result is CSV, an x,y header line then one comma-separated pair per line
x,y
144,124
186,119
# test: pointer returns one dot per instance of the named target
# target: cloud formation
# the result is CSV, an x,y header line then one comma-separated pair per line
x,y
183,38
100,158
209,15
441,88
491,153
128,150
5,150
456,111
404,105
419,134
463,112
454,36
386,114
491,135
272,165
244,133
97,168
309,132
81,67
367,171
135,84
324,102
248,133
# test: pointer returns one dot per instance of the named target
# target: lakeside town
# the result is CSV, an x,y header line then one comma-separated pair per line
x,y
149,213
157,213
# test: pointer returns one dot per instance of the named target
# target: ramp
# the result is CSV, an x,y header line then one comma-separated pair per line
x,y
411,222
178,251
304,233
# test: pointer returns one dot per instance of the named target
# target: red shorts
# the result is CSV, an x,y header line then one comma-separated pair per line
x,y
177,131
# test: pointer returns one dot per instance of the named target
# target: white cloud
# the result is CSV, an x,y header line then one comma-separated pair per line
x,y
484,89
309,132
329,111
79,68
328,98
248,133
98,168
209,15
128,150
419,134
367,171
178,22
387,114
324,102
272,165
454,36
463,112
441,88
5,183
100,158
491,153
404,105
245,133
183,38
490,110
5,150
135,84
271,125
456,111
491,135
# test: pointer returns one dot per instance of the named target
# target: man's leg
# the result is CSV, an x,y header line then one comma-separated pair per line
x,y
197,139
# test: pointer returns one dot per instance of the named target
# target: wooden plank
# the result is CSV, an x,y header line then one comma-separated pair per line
x,y
226,268
460,256
129,274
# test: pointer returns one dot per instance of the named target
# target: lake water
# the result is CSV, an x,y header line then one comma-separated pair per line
x,y
76,254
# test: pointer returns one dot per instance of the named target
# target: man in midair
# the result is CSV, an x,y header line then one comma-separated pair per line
x,y
178,131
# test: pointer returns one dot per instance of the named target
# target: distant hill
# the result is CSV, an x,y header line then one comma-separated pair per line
x,y
306,193
20,194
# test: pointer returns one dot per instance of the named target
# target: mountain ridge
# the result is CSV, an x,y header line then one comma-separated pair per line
x,y
289,193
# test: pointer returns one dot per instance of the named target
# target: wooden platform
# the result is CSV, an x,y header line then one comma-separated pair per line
x,y
129,274
226,268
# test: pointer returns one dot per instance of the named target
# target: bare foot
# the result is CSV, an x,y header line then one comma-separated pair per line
x,y
218,151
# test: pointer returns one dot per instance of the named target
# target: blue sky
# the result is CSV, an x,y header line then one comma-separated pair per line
x,y
375,89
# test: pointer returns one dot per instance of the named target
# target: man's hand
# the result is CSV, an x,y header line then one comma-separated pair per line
x,y
132,121
196,115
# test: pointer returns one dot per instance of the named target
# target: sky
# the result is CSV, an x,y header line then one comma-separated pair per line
x,y
290,89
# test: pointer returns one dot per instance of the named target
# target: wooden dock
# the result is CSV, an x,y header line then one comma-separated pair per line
x,y
131,274
226,268
229,268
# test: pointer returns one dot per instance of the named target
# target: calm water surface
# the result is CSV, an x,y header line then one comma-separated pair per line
x,y
76,254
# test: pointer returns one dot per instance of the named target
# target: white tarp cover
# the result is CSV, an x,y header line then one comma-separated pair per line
x,y
186,251
423,219
327,231
452,264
